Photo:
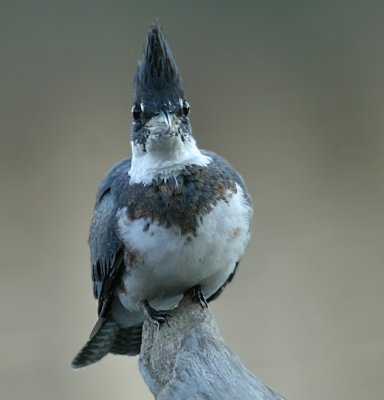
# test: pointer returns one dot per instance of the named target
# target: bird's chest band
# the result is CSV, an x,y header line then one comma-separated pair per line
x,y
181,200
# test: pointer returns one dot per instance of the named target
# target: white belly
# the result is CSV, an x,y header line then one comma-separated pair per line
x,y
164,264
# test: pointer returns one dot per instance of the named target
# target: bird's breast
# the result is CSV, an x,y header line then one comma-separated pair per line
x,y
164,259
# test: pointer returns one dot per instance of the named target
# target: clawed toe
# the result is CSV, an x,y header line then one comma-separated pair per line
x,y
198,296
155,316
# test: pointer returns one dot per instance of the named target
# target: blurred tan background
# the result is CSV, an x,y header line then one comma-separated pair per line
x,y
290,92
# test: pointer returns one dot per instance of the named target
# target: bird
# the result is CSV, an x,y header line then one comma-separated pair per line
x,y
169,219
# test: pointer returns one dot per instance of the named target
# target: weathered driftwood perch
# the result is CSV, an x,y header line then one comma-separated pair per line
x,y
188,359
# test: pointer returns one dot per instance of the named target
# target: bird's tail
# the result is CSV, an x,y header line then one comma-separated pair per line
x,y
99,344
108,337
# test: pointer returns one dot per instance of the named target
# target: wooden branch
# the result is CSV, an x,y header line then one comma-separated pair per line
x,y
188,359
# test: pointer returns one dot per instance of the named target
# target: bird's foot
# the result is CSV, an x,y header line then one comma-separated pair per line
x,y
155,316
198,296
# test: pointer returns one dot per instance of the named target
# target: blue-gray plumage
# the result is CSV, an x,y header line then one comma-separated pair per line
x,y
170,218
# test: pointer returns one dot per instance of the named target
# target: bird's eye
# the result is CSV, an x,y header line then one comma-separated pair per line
x,y
136,113
186,108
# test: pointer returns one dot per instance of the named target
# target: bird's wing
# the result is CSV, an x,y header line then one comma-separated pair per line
x,y
224,166
105,245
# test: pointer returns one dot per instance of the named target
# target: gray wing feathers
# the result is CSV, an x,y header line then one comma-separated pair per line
x,y
103,240
106,259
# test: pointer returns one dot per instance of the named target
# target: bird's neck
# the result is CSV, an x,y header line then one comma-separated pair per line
x,y
163,164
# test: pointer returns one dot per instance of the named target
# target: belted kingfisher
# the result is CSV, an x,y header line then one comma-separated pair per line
x,y
170,218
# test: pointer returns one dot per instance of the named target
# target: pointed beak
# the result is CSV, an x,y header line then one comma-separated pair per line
x,y
162,124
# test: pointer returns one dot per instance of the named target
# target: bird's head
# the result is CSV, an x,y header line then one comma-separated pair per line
x,y
160,111
161,138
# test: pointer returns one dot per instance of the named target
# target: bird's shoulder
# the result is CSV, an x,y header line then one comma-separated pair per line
x,y
116,178
222,167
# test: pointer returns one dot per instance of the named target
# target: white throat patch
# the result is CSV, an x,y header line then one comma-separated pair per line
x,y
147,166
